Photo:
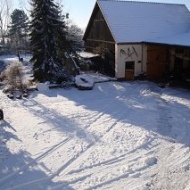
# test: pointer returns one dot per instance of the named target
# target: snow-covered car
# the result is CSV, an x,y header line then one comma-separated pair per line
x,y
84,82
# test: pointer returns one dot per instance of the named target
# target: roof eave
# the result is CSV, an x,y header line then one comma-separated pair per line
x,y
166,44
88,25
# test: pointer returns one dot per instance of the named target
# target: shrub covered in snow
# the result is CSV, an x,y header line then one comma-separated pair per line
x,y
14,74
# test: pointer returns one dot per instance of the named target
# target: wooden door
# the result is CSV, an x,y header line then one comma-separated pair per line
x,y
156,61
129,70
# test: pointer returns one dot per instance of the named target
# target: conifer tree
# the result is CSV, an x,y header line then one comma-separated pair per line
x,y
48,40
18,29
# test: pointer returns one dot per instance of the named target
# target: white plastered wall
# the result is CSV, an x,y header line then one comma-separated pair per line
x,y
130,52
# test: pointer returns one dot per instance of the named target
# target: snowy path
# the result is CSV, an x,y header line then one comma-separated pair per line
x,y
120,135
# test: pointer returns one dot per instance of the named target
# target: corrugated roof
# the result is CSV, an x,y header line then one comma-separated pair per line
x,y
142,21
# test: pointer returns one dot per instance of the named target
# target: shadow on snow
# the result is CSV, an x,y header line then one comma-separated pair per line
x,y
139,103
19,167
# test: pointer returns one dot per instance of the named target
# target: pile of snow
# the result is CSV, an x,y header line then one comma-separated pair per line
x,y
42,87
98,77
84,54
84,81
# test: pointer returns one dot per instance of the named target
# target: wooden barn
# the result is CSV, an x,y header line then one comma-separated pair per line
x,y
140,37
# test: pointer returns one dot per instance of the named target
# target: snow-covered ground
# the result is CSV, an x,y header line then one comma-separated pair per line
x,y
120,135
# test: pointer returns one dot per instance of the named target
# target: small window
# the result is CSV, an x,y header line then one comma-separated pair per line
x,y
129,65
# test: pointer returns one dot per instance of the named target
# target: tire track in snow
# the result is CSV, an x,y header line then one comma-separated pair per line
x,y
35,161
107,108
98,141
68,165
117,112
98,165
129,156
44,155
127,165
164,126
171,167
128,159
71,127
40,158
82,154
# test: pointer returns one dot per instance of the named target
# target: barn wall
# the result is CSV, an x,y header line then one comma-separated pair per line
x,y
156,61
144,58
129,53
179,65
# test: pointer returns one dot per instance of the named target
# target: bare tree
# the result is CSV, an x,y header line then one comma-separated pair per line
x,y
5,9
75,36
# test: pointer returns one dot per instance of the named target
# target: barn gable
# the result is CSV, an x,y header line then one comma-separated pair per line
x,y
98,35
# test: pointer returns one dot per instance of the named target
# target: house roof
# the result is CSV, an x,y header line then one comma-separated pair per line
x,y
175,40
133,22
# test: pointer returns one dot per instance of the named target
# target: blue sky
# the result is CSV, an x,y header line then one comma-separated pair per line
x,y
80,10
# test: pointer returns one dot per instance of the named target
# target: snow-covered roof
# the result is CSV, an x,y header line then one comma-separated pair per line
x,y
175,40
140,21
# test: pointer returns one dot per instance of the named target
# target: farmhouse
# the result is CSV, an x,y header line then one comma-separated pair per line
x,y
140,37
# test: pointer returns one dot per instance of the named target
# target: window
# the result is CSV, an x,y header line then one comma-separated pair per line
x,y
129,65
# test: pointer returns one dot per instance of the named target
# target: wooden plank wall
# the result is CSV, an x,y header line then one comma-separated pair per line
x,y
98,37
156,61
